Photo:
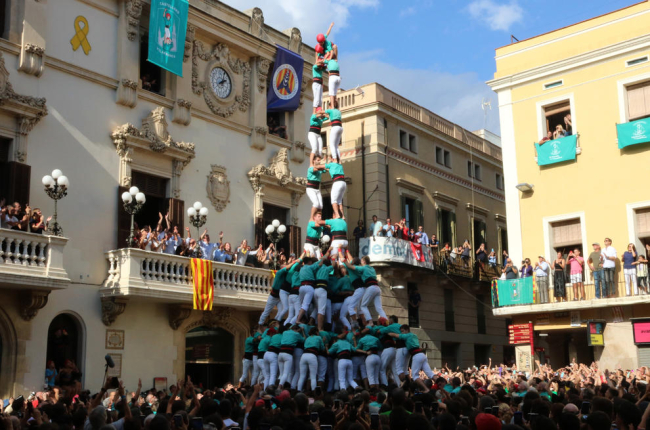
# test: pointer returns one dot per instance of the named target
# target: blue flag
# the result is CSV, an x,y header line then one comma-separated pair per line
x,y
167,27
284,90
557,151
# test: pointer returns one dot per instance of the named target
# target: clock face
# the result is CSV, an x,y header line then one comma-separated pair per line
x,y
220,82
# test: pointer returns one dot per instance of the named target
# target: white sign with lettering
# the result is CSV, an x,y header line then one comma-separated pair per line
x,y
390,249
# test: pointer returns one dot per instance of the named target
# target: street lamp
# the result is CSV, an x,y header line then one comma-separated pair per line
x,y
133,201
56,187
275,232
198,216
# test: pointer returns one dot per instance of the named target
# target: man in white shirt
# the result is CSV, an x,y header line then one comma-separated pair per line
x,y
388,228
424,237
375,226
609,267
541,274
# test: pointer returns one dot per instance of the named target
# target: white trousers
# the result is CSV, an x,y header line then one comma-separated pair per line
x,y
285,364
271,364
316,142
247,366
388,363
338,192
297,355
271,302
306,294
312,250
420,362
315,198
294,307
359,367
355,300
372,294
344,311
338,245
335,140
322,368
257,370
402,360
630,280
320,295
332,371
283,307
373,365
334,84
308,365
317,89
345,374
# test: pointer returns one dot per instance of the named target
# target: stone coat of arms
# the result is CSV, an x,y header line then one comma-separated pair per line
x,y
218,187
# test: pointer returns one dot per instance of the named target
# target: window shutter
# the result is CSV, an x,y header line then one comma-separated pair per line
x,y
177,214
419,215
402,202
453,229
296,240
643,222
439,224
638,101
123,220
15,182
260,233
483,234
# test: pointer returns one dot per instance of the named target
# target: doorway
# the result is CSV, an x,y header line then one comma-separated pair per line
x,y
209,354
64,342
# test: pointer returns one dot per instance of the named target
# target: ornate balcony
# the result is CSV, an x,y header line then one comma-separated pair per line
x,y
32,264
168,278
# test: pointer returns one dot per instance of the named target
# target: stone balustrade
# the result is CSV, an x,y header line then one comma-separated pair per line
x,y
32,261
134,272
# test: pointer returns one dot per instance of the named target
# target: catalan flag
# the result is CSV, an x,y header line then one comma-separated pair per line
x,y
203,284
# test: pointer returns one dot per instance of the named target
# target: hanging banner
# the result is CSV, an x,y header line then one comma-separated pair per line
x,y
391,249
167,28
557,151
633,132
286,82
520,291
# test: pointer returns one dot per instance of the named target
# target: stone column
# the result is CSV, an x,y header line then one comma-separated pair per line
x,y
128,52
260,69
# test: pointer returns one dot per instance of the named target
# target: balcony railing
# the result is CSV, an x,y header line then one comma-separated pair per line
x,y
34,261
134,272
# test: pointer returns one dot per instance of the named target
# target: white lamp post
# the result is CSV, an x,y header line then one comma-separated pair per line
x,y
198,217
56,187
133,201
275,232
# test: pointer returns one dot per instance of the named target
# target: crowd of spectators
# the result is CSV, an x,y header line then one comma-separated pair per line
x,y
575,397
29,219
559,131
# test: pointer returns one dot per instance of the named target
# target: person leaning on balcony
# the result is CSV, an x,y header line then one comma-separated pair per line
x,y
423,236
510,270
481,256
559,280
548,137
559,132
388,228
628,259
541,276
641,264
568,125
375,227
609,267
576,264
595,262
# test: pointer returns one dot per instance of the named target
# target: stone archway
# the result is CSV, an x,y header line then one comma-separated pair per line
x,y
9,345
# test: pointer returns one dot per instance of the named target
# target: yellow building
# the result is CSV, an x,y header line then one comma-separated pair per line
x,y
598,72
403,161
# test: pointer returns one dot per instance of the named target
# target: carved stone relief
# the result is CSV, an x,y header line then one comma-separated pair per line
x,y
295,40
220,56
31,303
127,92
112,307
263,66
133,9
256,25
189,41
218,187
32,60
182,112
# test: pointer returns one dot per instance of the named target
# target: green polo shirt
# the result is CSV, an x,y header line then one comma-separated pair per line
x,y
368,342
291,338
340,345
249,346
313,231
332,66
334,114
314,175
280,278
410,340
276,340
338,224
316,121
315,342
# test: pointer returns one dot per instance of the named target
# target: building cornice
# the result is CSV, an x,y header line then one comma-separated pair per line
x,y
477,209
437,195
565,65
401,182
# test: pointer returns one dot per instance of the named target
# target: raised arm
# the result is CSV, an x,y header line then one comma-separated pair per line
x,y
329,29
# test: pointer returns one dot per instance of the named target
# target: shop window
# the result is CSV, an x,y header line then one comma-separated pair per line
x,y
151,76
558,119
499,181
450,324
638,101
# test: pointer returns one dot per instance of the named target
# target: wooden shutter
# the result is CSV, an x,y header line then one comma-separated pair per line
x,y
483,227
638,101
419,214
177,214
123,220
643,222
15,179
453,228
439,225
295,239
567,233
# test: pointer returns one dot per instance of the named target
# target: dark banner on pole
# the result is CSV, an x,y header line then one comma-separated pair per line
x,y
284,90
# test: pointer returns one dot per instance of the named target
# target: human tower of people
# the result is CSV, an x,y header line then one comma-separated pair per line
x,y
323,329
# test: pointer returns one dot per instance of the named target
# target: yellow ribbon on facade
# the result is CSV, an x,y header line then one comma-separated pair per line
x,y
79,38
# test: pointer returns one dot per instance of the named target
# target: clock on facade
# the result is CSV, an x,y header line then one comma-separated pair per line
x,y
220,82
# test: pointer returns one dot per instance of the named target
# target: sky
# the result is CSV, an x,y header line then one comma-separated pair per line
x,y
437,53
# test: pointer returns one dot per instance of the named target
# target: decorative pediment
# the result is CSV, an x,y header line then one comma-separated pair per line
x,y
27,110
152,136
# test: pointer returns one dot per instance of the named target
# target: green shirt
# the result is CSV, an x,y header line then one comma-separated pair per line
x,y
334,114
367,272
335,169
323,273
353,274
316,121
295,280
314,175
317,71
307,273
344,284
291,338
410,340
332,66
338,224
315,342
313,231
392,328
368,342
276,340
327,46
264,344
249,346
340,345
326,336
280,277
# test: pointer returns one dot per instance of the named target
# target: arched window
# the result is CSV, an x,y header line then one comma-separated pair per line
x,y
65,350
8,354
209,354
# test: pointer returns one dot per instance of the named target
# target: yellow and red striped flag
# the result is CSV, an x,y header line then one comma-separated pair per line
x,y
203,284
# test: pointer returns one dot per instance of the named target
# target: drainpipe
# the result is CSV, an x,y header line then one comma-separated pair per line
x,y
363,171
